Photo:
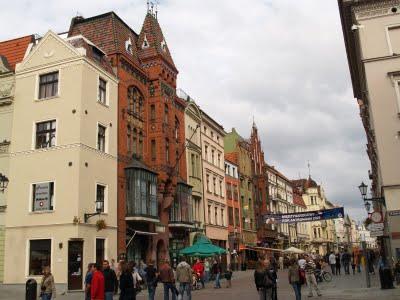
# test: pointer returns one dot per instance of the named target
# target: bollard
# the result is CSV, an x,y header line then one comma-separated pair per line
x,y
31,289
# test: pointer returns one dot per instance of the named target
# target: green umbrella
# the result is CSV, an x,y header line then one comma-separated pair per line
x,y
202,248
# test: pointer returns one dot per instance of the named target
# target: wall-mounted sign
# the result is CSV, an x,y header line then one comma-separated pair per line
x,y
394,213
42,196
377,217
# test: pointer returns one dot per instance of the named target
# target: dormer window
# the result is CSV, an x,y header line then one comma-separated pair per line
x,y
145,43
128,46
97,54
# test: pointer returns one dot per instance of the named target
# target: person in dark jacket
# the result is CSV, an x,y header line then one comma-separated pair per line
x,y
151,279
126,283
263,280
338,264
88,281
110,281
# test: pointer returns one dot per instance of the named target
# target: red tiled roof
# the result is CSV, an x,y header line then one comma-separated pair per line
x,y
298,200
14,50
304,183
232,157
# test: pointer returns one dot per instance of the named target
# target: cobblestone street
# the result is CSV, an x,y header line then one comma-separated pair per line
x,y
341,287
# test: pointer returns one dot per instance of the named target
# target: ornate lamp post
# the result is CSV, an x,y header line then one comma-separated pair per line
x,y
3,182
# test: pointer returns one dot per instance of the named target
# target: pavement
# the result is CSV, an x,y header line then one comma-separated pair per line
x,y
341,287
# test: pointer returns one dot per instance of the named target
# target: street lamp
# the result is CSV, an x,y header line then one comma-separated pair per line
x,y
3,182
367,206
99,210
363,189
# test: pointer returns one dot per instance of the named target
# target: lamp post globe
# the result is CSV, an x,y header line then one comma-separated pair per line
x,y
363,189
99,206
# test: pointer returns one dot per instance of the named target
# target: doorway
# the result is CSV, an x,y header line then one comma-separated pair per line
x,y
75,254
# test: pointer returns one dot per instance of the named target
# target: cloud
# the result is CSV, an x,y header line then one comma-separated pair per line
x,y
281,61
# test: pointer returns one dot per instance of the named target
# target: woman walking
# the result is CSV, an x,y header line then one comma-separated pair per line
x,y
126,283
263,280
294,278
47,286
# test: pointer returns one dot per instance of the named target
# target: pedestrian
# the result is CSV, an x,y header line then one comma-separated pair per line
x,y
310,277
346,262
126,282
353,264
302,262
385,273
294,278
228,277
206,270
217,270
370,261
281,266
184,277
151,279
110,281
47,286
97,285
332,262
88,281
142,272
198,269
167,278
337,263
262,279
273,272
137,279
397,272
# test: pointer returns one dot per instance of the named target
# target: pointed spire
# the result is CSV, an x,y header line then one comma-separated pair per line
x,y
152,38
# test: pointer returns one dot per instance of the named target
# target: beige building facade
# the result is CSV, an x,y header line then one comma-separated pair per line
x,y
372,37
215,208
63,162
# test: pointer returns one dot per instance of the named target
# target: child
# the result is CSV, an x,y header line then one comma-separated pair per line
x,y
228,277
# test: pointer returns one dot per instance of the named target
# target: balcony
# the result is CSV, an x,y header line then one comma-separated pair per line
x,y
141,193
181,213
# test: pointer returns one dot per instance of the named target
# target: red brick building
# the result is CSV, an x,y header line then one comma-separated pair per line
x,y
151,156
265,235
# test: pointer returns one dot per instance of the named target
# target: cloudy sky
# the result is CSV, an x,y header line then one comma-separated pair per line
x,y
281,61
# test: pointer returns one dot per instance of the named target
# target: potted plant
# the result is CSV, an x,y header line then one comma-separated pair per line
x,y
101,224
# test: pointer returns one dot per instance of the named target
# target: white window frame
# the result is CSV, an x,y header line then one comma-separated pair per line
x,y
105,208
30,204
37,79
33,146
107,103
28,250
106,137
396,82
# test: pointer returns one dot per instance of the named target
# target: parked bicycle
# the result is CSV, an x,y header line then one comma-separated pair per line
x,y
322,275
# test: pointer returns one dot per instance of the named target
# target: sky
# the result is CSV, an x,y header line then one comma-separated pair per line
x,y
281,62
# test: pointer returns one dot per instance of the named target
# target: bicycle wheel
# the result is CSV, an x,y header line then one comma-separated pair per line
x,y
327,277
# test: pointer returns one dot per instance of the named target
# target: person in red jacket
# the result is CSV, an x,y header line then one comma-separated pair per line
x,y
97,285
198,269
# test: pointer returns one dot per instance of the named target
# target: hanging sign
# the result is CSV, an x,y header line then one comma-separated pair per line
x,y
309,216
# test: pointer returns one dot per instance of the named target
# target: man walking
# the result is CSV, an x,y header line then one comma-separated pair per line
x,y
217,270
346,262
332,262
310,277
184,277
97,285
168,280
110,281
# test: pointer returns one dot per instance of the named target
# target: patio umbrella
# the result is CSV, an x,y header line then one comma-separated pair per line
x,y
293,250
202,248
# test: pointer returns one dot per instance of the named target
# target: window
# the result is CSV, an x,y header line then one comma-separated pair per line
x,y
315,232
216,215
42,196
212,156
212,135
152,112
205,130
153,150
102,91
100,247
140,143
192,163
220,188
219,160
208,182
182,207
230,216
167,150
101,138
100,194
176,130
237,217
45,134
214,185
222,217
48,85
229,191
206,152
166,114
235,193
39,256
217,139
209,214
135,102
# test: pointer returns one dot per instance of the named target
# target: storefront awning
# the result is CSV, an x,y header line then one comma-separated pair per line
x,y
259,249
138,232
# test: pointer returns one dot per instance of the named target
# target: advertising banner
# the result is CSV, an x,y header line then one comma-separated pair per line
x,y
42,196
308,216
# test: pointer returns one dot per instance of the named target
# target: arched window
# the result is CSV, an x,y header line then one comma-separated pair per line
x,y
135,101
166,114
